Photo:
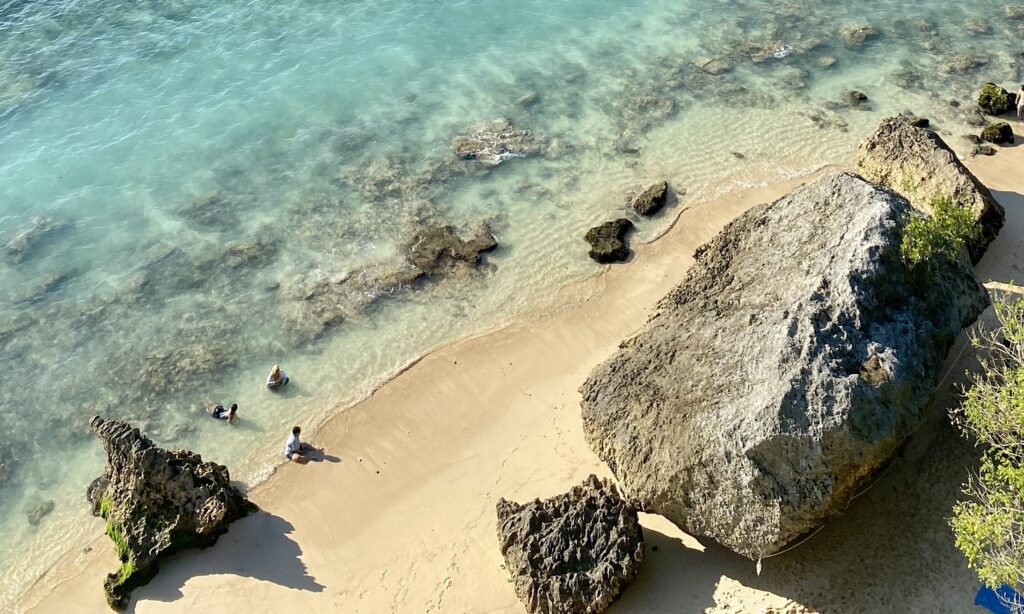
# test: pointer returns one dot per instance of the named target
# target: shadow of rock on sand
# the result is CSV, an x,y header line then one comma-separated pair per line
x,y
256,547
891,552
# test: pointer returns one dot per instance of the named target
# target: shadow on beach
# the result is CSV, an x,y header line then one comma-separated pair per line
x,y
257,546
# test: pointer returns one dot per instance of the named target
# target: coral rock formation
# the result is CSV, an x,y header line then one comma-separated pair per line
x,y
157,502
573,553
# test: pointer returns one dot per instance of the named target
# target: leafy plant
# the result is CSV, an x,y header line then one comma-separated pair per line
x,y
942,234
989,524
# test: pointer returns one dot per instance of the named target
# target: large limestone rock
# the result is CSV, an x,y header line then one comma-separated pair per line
x,y
786,369
157,502
573,553
918,164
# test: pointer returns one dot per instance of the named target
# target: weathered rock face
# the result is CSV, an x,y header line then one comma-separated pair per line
x,y
652,199
573,553
791,363
494,142
998,133
607,241
994,100
157,502
918,164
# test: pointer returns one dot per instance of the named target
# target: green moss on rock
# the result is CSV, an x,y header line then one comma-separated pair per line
x,y
995,100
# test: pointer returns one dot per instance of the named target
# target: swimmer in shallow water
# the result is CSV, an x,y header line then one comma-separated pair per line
x,y
1020,103
277,378
217,411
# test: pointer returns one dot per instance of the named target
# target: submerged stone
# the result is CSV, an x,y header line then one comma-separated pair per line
x,y
573,553
495,141
607,241
40,511
856,36
31,237
789,366
440,250
157,502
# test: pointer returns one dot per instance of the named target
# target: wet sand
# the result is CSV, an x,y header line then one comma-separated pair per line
x,y
399,514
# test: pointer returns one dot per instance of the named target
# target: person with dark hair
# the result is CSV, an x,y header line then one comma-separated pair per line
x,y
294,446
217,411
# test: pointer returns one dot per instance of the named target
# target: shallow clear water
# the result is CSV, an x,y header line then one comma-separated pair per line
x,y
226,183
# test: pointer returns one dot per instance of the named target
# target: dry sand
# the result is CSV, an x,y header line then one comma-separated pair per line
x,y
400,514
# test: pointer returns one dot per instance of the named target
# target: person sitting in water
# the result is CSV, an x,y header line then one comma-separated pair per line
x,y
277,378
217,411
293,447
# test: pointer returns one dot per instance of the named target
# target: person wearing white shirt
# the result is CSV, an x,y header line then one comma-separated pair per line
x,y
293,447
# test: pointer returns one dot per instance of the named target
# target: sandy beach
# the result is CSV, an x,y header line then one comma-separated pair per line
x,y
400,514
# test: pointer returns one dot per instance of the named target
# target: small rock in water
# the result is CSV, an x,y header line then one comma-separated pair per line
x,y
652,199
714,66
919,122
856,98
528,100
977,26
607,241
39,511
972,138
983,150
32,236
573,553
494,142
998,133
965,63
855,36
1014,11
441,250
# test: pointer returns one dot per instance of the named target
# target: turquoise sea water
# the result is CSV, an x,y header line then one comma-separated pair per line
x,y
220,186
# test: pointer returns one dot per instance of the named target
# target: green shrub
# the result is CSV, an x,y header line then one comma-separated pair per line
x,y
943,234
989,524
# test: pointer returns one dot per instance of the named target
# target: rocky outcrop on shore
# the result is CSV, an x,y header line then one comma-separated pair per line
x,y
652,200
788,367
157,502
608,241
918,164
573,553
998,133
995,100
